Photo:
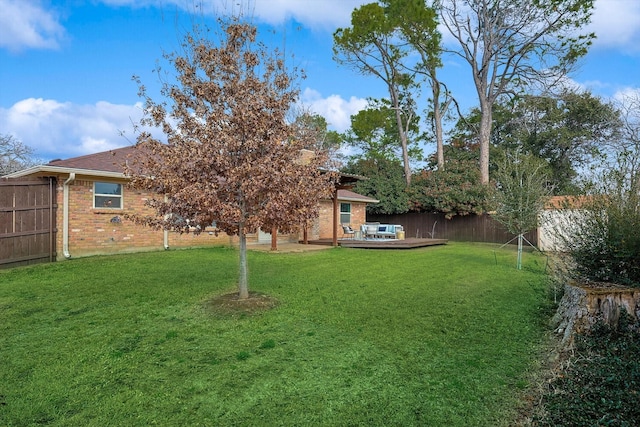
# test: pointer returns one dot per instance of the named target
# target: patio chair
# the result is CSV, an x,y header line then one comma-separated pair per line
x,y
347,230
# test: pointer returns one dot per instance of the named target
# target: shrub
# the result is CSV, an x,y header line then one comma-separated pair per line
x,y
602,230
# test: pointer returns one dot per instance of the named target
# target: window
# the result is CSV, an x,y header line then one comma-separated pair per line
x,y
107,195
345,213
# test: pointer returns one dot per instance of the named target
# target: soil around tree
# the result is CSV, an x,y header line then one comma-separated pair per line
x,y
230,304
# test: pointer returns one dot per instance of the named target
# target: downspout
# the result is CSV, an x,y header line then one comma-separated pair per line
x,y
65,215
165,232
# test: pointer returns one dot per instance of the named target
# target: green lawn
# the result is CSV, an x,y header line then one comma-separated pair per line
x,y
440,336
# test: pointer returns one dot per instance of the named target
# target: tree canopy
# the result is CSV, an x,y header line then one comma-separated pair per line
x,y
568,131
230,154
455,189
385,183
374,131
372,47
14,155
418,24
522,191
512,44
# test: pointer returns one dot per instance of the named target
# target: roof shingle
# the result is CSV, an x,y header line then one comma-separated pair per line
x,y
108,161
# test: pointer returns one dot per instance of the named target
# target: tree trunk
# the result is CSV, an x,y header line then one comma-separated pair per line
x,y
405,149
437,124
274,239
582,306
486,118
403,135
519,262
243,282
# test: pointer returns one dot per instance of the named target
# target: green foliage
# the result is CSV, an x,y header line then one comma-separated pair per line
x,y
372,46
385,182
128,340
602,230
522,191
419,26
567,131
602,385
374,131
456,190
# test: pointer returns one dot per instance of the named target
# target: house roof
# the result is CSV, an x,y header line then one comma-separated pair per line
x,y
109,164
106,161
350,196
566,202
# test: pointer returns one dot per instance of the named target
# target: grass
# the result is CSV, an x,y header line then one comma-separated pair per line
x,y
430,337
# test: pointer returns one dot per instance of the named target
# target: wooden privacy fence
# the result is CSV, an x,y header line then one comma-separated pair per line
x,y
468,228
27,221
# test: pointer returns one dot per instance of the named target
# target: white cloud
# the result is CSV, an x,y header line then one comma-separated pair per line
x,y
312,13
617,24
629,99
334,108
26,24
61,130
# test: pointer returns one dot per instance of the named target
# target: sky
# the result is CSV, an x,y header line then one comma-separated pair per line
x,y
66,66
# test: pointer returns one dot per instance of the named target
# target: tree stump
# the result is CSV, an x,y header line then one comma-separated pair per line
x,y
582,306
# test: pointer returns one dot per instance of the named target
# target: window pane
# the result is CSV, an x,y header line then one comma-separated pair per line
x,y
345,219
345,207
108,202
108,188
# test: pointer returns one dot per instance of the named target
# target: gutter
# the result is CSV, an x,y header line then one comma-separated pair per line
x,y
65,215
46,170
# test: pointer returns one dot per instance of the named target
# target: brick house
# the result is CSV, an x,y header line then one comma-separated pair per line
x,y
92,198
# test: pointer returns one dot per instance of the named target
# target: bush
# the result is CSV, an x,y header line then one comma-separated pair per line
x,y
455,190
602,230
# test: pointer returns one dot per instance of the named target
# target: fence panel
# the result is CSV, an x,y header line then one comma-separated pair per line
x,y
468,228
27,221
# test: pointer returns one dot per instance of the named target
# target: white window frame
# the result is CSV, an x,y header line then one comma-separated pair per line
x,y
345,214
113,196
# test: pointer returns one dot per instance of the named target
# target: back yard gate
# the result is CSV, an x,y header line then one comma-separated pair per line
x,y
27,221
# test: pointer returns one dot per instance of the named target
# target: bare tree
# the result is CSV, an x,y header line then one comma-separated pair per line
x,y
230,156
629,107
313,127
14,155
512,43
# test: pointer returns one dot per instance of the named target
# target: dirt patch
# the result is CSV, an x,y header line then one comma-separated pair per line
x,y
231,305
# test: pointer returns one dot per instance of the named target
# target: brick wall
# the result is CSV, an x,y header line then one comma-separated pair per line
x,y
325,221
105,231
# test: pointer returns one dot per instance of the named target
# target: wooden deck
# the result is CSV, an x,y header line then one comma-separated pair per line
x,y
383,243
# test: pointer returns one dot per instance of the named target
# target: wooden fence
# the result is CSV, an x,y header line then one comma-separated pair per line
x,y
469,228
27,221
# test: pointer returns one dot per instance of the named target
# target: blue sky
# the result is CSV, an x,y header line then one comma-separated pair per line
x,y
66,65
